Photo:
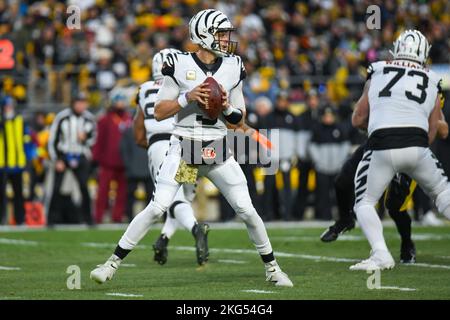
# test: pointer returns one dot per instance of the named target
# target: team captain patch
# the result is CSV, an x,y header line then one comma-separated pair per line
x,y
191,75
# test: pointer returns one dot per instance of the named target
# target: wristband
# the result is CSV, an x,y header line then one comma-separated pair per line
x,y
229,110
182,100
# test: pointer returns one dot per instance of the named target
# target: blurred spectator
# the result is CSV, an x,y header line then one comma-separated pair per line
x,y
39,136
106,151
280,185
13,157
135,160
329,149
285,45
304,126
72,135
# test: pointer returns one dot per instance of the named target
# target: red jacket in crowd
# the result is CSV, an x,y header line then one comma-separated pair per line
x,y
106,151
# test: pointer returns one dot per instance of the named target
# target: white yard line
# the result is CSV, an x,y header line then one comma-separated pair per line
x,y
428,265
257,291
9,268
277,253
109,245
349,237
128,265
18,242
395,288
129,295
231,261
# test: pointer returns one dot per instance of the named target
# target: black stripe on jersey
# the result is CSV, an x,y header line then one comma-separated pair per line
x,y
150,91
168,68
397,138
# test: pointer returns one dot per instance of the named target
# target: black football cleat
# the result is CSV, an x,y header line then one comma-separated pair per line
x,y
333,232
408,253
160,249
200,233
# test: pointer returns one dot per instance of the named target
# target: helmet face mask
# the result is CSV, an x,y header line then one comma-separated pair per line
x,y
411,45
211,29
222,42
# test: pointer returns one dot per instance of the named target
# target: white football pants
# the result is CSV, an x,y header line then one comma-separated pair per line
x,y
375,172
227,177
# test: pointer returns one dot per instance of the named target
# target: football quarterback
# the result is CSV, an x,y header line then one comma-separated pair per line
x,y
198,143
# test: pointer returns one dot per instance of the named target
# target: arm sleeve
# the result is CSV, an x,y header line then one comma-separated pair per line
x,y
169,90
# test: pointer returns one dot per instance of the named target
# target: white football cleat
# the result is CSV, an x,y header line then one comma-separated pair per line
x,y
275,275
106,271
378,260
430,219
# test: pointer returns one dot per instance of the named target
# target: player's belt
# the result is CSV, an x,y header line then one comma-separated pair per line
x,y
198,152
158,137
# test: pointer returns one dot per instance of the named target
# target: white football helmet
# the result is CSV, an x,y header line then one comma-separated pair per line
x,y
411,45
158,61
204,27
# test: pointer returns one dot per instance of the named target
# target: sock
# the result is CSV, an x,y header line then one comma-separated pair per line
x,y
403,222
371,225
185,215
140,225
266,258
121,253
170,226
257,232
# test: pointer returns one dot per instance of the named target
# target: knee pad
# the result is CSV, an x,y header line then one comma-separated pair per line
x,y
244,209
443,201
172,208
155,210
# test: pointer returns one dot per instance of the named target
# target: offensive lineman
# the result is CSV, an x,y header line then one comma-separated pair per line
x,y
402,99
154,136
181,95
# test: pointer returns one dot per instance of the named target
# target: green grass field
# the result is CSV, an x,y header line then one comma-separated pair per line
x,y
33,265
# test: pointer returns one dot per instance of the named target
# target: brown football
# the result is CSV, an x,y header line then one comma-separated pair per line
x,y
214,107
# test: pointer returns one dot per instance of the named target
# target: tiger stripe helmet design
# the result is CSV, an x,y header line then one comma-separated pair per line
x,y
158,61
411,45
204,26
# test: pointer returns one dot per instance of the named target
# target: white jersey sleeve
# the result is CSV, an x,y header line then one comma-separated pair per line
x,y
401,94
146,99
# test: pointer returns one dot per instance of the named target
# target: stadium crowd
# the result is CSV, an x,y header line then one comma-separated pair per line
x,y
306,65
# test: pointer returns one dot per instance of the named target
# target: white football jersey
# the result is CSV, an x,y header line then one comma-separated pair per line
x,y
402,94
147,94
188,72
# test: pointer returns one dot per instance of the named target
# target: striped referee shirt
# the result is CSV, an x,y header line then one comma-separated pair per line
x,y
64,133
